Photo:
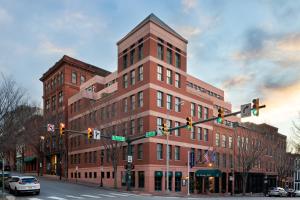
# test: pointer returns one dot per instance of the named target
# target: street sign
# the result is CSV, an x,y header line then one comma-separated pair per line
x,y
129,159
246,110
96,134
159,132
118,138
150,134
50,127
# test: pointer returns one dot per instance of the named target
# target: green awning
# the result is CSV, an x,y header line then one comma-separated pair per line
x,y
178,174
158,173
170,174
29,159
208,172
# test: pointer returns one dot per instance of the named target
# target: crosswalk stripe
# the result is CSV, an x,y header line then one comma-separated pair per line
x,y
71,196
91,196
106,195
120,194
57,198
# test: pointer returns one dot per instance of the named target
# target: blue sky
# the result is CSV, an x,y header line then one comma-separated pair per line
x,y
248,48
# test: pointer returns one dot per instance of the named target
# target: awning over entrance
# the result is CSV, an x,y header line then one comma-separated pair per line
x,y
29,159
208,172
170,174
158,174
178,174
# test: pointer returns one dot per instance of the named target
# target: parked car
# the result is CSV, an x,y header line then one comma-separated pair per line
x,y
6,181
24,184
297,193
290,192
278,192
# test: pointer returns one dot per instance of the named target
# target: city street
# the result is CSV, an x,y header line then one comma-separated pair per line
x,y
59,190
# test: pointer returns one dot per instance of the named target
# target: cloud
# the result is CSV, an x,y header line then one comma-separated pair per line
x,y
188,5
189,31
236,81
48,47
5,18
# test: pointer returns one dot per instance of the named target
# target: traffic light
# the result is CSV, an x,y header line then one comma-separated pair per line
x,y
61,129
90,133
220,119
165,128
189,123
255,107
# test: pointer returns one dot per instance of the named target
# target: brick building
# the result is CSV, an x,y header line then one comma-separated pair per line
x,y
150,87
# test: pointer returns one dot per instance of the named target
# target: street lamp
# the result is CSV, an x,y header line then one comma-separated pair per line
x,y
41,154
167,149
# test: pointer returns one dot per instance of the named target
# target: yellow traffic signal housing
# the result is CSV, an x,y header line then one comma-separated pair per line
x,y
255,107
90,133
61,129
165,128
220,119
189,122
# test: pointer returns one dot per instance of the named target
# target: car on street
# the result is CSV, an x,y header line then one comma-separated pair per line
x,y
297,193
24,184
278,192
290,192
6,181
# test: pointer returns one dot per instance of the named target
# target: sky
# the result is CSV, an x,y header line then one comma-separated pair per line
x,y
247,48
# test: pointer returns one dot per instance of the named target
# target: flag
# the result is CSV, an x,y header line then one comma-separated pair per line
x,y
213,156
206,157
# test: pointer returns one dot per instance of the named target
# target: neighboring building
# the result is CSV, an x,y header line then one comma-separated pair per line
x,y
150,87
297,173
60,82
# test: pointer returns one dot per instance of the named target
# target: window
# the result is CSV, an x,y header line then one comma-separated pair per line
x,y
95,174
199,133
140,102
53,103
140,151
160,51
132,56
177,60
199,111
132,128
157,182
170,152
177,80
231,161
107,174
140,56
159,73
74,77
177,131
132,77
199,153
125,81
159,151
205,113
177,152
192,132
141,177
82,79
60,98
47,105
140,71
193,111
95,157
125,104
169,56
205,134
140,125
169,102
159,99
159,122
230,142
224,160
125,61
217,139
177,104
169,77
223,141
132,102
107,155
124,152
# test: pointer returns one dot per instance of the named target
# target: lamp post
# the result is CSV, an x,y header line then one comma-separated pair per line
x,y
167,149
41,155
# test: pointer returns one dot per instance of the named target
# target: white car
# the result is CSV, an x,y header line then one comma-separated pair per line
x,y
24,184
278,191
297,193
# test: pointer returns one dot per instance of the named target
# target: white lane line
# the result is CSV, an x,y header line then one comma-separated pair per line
x,y
91,196
120,194
74,197
106,195
57,198
34,199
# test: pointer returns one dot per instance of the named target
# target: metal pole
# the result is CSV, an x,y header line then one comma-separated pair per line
x,y
3,177
167,156
188,179
128,165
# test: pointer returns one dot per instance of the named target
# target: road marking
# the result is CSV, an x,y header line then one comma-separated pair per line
x,y
57,198
106,195
34,199
74,197
91,196
120,194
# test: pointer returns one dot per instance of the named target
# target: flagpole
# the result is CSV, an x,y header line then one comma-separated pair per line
x,y
188,183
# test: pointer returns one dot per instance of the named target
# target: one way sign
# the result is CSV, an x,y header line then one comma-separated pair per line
x,y
246,110
96,134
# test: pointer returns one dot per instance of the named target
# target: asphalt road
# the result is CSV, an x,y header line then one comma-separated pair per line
x,y
59,190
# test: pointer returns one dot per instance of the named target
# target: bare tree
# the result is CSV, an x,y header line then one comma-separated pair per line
x,y
250,149
295,139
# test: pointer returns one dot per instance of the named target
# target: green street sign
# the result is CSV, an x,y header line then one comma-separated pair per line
x,y
118,138
150,134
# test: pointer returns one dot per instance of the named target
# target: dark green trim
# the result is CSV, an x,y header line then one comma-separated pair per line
x,y
158,173
29,159
208,172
